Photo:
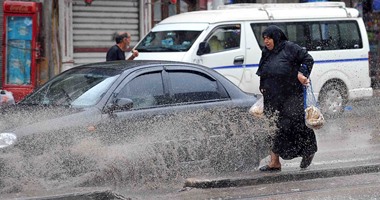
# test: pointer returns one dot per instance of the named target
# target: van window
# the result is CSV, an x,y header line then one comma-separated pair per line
x,y
315,41
168,41
317,36
297,33
350,36
330,36
224,38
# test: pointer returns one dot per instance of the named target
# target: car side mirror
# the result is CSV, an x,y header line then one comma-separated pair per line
x,y
122,104
203,48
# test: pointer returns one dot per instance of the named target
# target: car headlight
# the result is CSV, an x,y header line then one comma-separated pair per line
x,y
7,139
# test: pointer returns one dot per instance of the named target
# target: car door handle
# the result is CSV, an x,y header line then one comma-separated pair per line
x,y
239,60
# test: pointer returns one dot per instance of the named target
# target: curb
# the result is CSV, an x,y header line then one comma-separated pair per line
x,y
267,178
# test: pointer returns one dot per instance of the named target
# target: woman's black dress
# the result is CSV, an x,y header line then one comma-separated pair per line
x,y
283,96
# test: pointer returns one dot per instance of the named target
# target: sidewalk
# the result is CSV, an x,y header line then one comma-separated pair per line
x,y
292,174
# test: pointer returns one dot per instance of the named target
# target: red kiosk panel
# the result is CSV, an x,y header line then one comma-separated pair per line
x,y
21,30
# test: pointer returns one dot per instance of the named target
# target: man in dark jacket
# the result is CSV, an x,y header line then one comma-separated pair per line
x,y
117,51
284,69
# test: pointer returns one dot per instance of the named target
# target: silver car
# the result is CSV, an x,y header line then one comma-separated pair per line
x,y
188,114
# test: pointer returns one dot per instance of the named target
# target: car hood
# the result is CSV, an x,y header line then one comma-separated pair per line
x,y
25,120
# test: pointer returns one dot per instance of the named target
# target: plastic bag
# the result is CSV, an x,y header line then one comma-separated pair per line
x,y
6,98
313,115
257,109
314,118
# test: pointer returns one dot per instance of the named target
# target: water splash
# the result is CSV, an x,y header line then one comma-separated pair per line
x,y
144,153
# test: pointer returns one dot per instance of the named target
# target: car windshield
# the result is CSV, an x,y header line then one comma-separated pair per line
x,y
80,87
168,41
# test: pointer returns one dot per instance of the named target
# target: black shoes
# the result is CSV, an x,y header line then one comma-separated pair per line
x,y
266,168
306,161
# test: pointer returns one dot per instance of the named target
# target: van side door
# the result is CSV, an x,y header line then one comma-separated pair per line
x,y
225,51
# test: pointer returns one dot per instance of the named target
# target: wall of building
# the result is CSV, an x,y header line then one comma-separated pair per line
x,y
94,25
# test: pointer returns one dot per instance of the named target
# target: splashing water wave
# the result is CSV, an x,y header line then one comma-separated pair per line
x,y
143,153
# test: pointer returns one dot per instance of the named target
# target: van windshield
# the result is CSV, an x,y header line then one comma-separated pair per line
x,y
168,41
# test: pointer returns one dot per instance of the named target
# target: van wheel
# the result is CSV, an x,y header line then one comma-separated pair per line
x,y
333,99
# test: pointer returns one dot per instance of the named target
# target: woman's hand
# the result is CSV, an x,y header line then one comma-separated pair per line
x,y
303,79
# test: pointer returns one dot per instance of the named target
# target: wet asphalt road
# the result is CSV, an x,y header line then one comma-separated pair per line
x,y
352,140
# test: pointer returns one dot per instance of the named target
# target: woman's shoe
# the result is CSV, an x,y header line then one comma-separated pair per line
x,y
306,161
266,168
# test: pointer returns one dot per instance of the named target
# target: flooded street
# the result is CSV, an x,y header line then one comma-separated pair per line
x,y
155,161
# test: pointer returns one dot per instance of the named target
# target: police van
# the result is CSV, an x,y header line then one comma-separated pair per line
x,y
229,40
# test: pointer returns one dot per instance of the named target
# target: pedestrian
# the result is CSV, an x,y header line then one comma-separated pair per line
x,y
284,69
117,51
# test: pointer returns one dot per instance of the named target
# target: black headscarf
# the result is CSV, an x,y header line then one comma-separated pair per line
x,y
277,35
279,39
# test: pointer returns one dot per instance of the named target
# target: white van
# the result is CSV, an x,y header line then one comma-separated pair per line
x,y
229,41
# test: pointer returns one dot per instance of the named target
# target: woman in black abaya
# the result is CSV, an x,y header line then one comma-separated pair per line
x,y
284,69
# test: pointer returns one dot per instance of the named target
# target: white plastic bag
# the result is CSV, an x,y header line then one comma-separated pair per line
x,y
313,115
6,98
257,109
